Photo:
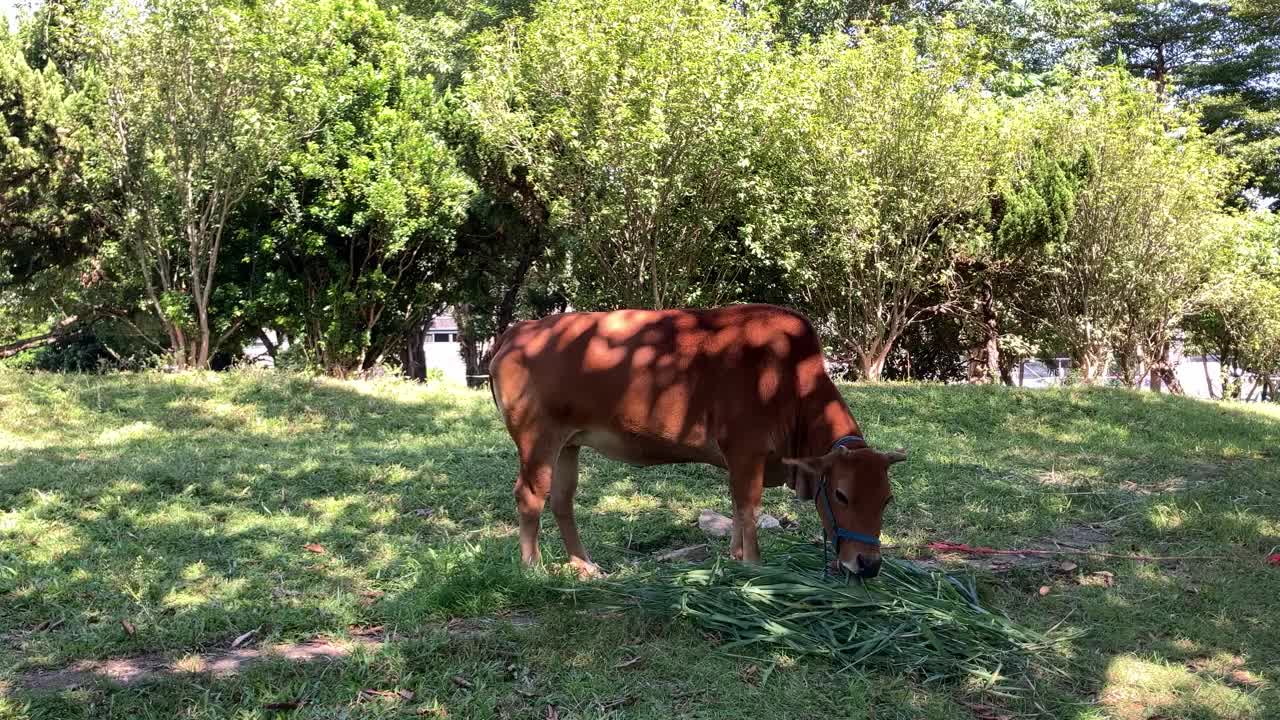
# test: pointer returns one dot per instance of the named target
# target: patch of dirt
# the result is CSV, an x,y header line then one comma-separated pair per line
x,y
1069,538
471,628
1079,537
125,672
1197,475
130,671
1230,670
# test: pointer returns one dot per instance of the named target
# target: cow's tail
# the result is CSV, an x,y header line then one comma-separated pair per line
x,y
493,378
493,390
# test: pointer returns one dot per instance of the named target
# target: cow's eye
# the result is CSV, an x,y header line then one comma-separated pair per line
x,y
841,497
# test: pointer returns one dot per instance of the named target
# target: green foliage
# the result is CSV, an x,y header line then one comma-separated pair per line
x,y
44,213
637,124
1040,204
188,118
60,34
910,620
896,152
878,165
104,348
1241,317
358,239
1222,54
1143,190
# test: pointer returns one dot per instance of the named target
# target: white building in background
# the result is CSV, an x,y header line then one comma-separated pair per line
x,y
440,348
442,351
256,351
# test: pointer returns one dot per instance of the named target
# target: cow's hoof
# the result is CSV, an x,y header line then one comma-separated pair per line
x,y
587,570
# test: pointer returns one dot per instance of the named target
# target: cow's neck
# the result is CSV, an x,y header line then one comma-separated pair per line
x,y
824,419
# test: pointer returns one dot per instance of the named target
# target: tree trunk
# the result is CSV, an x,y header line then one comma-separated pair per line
x,y
1208,378
871,363
474,361
1171,380
178,343
1224,372
202,344
991,331
1092,362
1131,363
413,353
271,347
1159,365
1162,371
1006,369
1022,372
1161,72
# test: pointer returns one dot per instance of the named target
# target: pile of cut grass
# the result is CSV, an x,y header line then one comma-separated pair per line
x,y
907,620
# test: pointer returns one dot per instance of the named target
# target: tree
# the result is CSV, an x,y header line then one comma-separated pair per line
x,y
1223,56
1130,262
46,220
1030,214
1240,316
59,33
633,124
1022,35
188,124
1163,40
359,241
896,160
509,268
444,32
44,209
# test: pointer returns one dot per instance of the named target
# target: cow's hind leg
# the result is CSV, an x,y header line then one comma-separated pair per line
x,y
537,461
564,486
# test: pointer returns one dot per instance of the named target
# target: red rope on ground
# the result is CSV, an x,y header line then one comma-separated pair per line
x,y
970,550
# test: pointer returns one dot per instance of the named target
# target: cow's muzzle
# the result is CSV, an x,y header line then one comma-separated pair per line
x,y
863,565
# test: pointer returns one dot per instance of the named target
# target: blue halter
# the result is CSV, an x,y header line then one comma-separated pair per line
x,y
840,533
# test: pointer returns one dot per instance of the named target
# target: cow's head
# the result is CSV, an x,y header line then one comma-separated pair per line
x,y
854,484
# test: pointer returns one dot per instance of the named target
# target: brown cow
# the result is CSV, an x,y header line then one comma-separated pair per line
x,y
741,387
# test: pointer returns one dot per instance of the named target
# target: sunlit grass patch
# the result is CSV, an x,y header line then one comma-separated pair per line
x,y
1139,689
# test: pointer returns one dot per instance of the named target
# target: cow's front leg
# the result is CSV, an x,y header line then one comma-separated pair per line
x,y
746,480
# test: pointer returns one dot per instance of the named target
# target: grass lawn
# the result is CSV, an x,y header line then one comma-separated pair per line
x,y
181,506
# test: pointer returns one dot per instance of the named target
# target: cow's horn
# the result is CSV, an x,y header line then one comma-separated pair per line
x,y
894,456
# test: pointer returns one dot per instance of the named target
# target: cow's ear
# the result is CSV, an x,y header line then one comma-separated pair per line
x,y
816,466
809,471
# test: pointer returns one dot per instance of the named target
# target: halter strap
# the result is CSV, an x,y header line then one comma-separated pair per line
x,y
842,442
